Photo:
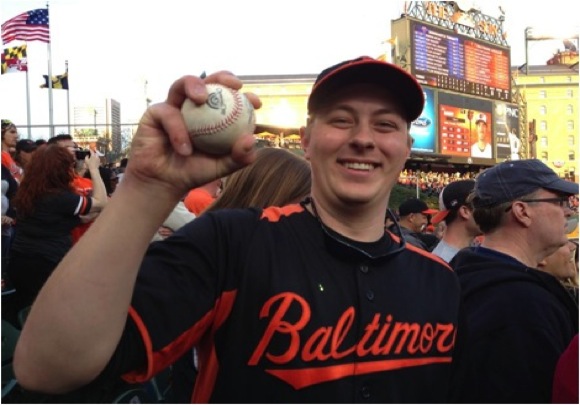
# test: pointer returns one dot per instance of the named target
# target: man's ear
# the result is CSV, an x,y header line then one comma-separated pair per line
x,y
521,213
465,212
410,142
305,141
542,264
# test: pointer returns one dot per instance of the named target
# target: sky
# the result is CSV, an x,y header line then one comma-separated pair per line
x,y
113,47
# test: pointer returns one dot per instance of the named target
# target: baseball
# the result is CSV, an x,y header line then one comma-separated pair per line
x,y
214,126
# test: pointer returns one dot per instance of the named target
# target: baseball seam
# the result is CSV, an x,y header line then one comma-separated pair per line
x,y
226,122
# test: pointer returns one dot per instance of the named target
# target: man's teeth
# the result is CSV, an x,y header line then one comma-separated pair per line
x,y
359,166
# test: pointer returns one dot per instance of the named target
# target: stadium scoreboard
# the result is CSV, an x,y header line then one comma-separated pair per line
x,y
450,61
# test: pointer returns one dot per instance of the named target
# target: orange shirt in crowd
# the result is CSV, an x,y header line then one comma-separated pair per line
x,y
197,200
11,165
84,187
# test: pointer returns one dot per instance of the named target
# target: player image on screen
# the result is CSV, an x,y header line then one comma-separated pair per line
x,y
515,144
481,148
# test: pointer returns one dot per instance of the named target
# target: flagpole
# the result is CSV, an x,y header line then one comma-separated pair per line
x,y
67,97
28,104
50,110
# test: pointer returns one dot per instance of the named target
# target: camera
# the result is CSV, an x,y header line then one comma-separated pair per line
x,y
82,154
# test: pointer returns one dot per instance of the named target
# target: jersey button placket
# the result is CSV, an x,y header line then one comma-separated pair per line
x,y
365,392
364,269
370,295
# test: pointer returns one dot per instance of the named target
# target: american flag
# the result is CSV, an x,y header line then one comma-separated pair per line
x,y
29,26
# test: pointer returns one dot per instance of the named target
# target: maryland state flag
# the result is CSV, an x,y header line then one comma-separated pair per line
x,y
14,60
58,82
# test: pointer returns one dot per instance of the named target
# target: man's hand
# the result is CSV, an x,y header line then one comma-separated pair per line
x,y
162,154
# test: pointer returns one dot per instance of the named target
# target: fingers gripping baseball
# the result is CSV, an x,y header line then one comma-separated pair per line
x,y
213,109
162,147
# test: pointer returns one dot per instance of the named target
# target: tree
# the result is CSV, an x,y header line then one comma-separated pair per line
x,y
402,193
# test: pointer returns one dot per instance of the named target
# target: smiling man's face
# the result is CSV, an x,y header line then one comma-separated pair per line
x,y
357,145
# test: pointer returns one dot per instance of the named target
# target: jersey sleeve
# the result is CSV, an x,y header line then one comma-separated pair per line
x,y
189,279
69,203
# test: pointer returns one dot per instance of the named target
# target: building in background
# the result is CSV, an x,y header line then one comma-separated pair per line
x,y
283,109
551,94
98,126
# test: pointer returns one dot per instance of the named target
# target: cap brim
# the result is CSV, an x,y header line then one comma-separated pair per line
x,y
441,215
430,211
368,70
563,186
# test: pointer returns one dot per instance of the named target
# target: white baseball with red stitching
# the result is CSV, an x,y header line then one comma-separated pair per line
x,y
215,125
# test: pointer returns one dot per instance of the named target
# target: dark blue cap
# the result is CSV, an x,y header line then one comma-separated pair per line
x,y
511,180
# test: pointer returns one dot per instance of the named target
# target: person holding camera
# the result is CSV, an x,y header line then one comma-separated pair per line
x,y
82,185
48,208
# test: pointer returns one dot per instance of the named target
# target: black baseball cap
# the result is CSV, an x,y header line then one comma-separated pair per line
x,y
452,197
511,180
26,145
415,206
369,70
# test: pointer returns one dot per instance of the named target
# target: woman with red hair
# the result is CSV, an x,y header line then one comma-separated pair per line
x,y
47,209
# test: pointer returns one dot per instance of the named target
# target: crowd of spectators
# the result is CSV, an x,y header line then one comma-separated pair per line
x,y
431,182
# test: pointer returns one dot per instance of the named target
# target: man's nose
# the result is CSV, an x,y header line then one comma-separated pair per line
x,y
363,136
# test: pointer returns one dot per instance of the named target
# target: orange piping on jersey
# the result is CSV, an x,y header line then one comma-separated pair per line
x,y
429,255
421,251
208,362
157,361
305,377
273,214
84,205
395,237
134,376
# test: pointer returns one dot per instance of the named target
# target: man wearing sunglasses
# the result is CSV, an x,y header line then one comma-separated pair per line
x,y
519,319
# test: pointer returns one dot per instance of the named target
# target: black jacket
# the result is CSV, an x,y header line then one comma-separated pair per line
x,y
519,321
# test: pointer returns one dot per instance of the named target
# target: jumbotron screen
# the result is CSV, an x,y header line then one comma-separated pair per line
x,y
459,63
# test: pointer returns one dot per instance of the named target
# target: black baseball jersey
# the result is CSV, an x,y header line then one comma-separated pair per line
x,y
281,309
47,231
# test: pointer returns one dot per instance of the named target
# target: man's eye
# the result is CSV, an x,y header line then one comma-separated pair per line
x,y
340,121
386,125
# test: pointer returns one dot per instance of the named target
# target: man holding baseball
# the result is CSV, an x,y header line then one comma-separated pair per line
x,y
311,302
